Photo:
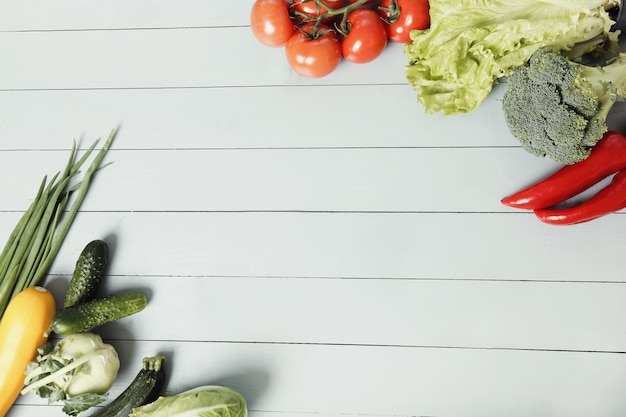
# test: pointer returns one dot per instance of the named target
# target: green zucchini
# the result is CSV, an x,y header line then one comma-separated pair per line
x,y
144,389
96,312
88,273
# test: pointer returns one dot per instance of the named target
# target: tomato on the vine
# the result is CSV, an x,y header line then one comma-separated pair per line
x,y
271,23
313,54
403,16
367,36
311,9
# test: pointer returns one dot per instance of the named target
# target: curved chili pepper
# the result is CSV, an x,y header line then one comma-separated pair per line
x,y
606,158
608,200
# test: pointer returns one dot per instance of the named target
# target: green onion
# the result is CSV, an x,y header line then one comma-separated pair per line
x,y
37,237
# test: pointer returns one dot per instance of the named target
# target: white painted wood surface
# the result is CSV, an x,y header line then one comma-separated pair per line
x,y
323,246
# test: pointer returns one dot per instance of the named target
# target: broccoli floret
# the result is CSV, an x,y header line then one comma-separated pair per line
x,y
558,108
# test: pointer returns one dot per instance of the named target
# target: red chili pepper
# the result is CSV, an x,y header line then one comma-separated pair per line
x,y
606,158
608,200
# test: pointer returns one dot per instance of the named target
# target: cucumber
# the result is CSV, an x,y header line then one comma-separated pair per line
x,y
96,312
88,273
144,389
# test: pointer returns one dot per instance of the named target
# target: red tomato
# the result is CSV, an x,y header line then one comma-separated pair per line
x,y
309,8
270,22
367,37
406,15
313,56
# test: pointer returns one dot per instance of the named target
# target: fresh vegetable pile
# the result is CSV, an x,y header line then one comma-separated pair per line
x,y
556,104
77,367
318,34
80,368
27,309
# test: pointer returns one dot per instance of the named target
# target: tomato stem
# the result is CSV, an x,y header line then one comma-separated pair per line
x,y
330,13
392,12
343,25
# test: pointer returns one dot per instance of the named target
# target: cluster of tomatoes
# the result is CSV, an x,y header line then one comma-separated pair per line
x,y
318,34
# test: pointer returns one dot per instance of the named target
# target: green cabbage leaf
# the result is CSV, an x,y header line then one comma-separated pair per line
x,y
207,401
472,44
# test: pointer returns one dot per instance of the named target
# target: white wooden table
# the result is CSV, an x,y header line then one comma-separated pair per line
x,y
320,245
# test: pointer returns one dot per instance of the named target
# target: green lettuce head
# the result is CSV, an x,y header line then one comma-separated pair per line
x,y
471,44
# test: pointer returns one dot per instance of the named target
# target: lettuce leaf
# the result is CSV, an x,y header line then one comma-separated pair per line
x,y
472,44
208,401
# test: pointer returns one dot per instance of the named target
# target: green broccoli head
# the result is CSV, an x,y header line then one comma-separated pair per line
x,y
558,108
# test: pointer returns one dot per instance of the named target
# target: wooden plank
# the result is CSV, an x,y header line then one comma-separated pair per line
x,y
383,381
519,315
368,179
506,246
40,15
297,117
180,58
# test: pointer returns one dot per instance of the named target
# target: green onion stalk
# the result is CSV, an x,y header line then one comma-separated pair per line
x,y
36,239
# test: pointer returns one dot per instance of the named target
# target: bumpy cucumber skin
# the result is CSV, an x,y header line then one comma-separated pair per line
x,y
88,273
144,389
96,312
